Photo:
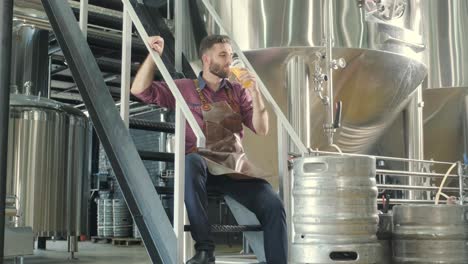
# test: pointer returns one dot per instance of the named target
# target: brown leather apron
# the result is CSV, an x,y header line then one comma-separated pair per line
x,y
224,153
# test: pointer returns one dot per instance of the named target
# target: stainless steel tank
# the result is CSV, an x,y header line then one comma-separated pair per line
x,y
335,210
445,32
48,165
430,234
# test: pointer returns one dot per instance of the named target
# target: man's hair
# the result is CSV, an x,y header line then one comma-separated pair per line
x,y
209,41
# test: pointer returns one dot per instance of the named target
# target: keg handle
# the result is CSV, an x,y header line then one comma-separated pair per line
x,y
314,167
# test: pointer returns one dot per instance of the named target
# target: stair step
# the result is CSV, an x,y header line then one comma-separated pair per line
x,y
156,156
169,190
152,125
230,228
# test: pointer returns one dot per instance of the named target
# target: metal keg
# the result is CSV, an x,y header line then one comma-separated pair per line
x,y
108,223
384,236
430,234
122,219
334,210
136,232
100,218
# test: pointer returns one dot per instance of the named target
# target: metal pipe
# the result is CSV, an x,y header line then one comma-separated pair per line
x,y
407,201
414,174
414,131
418,188
95,33
378,157
72,243
328,126
6,15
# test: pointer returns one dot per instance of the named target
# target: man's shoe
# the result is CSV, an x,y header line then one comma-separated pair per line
x,y
202,257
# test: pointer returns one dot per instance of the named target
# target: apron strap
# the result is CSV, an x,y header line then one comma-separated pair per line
x,y
206,106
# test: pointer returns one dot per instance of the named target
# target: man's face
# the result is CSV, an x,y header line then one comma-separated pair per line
x,y
219,58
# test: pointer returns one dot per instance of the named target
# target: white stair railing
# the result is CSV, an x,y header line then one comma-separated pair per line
x,y
183,114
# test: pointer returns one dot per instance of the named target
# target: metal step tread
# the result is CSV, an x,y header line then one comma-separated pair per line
x,y
169,190
152,125
156,156
230,228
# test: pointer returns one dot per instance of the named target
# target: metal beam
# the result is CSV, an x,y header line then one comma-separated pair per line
x,y
138,190
6,14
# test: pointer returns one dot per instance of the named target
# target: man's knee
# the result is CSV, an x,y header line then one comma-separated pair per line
x,y
274,205
194,162
195,168
193,158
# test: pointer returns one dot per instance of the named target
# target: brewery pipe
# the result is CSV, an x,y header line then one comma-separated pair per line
x,y
6,16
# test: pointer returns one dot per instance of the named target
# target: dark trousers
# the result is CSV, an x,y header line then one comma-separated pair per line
x,y
257,195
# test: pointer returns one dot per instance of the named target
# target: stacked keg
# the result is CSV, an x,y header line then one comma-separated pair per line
x,y
114,218
105,218
122,219
136,232
334,210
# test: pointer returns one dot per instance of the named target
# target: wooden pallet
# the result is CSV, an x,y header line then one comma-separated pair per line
x,y
96,239
126,241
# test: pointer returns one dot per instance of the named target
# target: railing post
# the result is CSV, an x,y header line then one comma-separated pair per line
x,y
180,25
179,183
126,66
84,17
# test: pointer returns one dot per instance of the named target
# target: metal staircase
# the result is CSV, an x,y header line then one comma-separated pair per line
x,y
163,244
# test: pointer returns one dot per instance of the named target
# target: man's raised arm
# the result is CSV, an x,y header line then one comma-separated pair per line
x,y
144,76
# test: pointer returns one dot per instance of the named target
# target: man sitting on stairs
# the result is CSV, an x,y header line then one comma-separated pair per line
x,y
221,108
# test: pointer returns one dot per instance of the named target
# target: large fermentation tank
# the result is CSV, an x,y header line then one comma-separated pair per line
x,y
445,31
281,40
48,165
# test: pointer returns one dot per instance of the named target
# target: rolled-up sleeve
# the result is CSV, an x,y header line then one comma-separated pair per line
x,y
157,93
246,109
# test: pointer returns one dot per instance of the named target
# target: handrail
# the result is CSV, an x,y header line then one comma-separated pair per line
x,y
269,98
201,140
318,152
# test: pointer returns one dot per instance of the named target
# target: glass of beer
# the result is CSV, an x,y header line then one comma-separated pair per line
x,y
237,70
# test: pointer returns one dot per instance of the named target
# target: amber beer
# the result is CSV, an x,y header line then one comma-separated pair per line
x,y
237,70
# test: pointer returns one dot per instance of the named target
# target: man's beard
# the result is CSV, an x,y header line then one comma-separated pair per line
x,y
217,70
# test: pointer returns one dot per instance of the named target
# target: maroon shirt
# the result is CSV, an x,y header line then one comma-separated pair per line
x,y
158,93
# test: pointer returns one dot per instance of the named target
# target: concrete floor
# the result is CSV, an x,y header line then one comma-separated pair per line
x,y
101,253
